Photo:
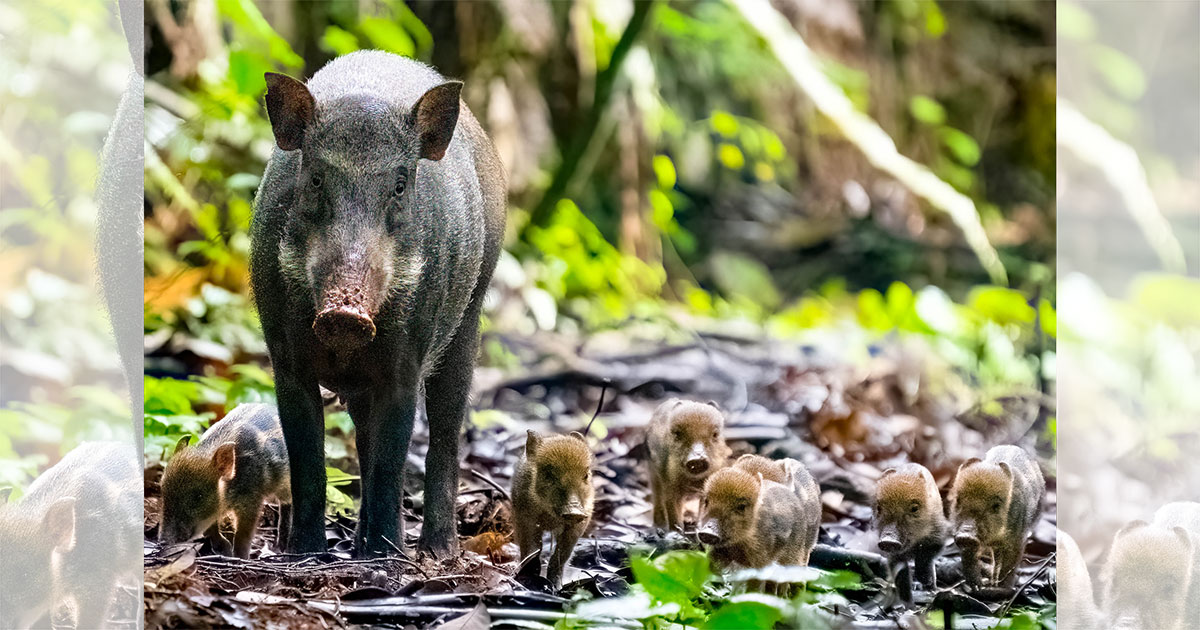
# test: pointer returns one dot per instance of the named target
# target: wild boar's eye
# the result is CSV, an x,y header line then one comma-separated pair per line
x,y
401,182
317,180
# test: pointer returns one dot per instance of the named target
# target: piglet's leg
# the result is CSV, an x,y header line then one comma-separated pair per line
x,y
564,546
219,543
247,524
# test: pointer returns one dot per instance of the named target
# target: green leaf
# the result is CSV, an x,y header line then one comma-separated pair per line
x,y
1169,298
664,171
677,576
724,123
339,41
1001,305
1121,73
962,146
1074,23
1049,318
739,275
386,35
926,110
743,615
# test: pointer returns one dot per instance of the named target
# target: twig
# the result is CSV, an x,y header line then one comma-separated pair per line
x,y
489,481
1035,576
599,406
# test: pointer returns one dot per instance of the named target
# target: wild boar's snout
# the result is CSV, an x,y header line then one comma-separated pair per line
x,y
889,539
344,327
967,536
573,511
708,533
697,460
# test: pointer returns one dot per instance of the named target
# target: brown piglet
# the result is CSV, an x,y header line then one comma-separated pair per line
x,y
240,462
994,503
685,445
752,522
552,491
911,524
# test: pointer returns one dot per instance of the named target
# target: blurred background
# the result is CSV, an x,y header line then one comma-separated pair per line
x,y
1129,247
667,175
63,68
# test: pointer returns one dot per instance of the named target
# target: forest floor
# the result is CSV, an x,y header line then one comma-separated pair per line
x,y
847,420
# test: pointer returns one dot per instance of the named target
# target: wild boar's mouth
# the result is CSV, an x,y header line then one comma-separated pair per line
x,y
344,318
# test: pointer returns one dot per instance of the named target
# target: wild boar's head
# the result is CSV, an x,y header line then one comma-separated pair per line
x,y
350,239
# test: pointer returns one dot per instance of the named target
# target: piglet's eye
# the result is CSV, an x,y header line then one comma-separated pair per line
x,y
716,434
915,508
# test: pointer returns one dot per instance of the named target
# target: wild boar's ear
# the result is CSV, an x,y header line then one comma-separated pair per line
x,y
225,461
181,444
291,108
579,436
532,442
4,492
59,523
436,117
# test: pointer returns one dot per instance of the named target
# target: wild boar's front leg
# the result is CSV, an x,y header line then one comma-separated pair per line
x,y
300,414
389,427
446,393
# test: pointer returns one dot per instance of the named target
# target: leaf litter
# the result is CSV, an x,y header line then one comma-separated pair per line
x,y
846,420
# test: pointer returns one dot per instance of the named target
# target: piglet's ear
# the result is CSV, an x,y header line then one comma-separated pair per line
x,y
1132,525
532,442
1007,469
59,523
182,444
436,116
969,463
225,461
1184,539
579,436
291,109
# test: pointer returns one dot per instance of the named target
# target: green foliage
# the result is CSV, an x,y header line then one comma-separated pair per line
x,y
580,263
679,587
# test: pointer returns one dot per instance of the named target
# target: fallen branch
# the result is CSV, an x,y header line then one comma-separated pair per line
x,y
865,133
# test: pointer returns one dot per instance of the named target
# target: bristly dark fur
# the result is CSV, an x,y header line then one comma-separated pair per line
x,y
356,217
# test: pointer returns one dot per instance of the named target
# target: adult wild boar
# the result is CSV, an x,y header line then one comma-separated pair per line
x,y
375,233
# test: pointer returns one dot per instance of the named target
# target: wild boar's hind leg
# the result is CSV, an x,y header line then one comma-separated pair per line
x,y
300,413
446,393
390,426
